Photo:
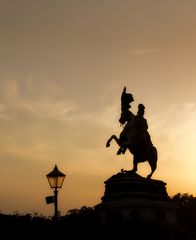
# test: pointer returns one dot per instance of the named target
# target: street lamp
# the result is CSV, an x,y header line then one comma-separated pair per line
x,y
55,179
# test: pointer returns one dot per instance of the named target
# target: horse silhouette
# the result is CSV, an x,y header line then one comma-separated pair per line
x,y
131,139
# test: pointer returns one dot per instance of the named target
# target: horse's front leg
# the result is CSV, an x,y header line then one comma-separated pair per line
x,y
110,139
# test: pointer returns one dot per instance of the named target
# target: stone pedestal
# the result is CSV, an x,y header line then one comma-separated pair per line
x,y
129,197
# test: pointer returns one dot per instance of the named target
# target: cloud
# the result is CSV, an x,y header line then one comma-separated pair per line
x,y
173,131
141,51
3,112
21,97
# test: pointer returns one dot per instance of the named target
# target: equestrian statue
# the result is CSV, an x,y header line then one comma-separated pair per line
x,y
135,136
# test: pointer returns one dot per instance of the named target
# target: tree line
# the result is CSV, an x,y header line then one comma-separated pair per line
x,y
85,222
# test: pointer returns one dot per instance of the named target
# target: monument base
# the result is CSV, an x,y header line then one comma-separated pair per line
x,y
131,198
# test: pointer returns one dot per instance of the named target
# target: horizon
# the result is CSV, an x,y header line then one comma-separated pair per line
x,y
63,68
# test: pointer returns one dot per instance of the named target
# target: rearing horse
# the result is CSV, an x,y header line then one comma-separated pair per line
x,y
130,139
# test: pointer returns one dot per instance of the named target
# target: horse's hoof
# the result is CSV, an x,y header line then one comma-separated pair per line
x,y
123,150
107,144
119,151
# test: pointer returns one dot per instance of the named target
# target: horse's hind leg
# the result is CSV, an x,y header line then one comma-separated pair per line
x,y
150,175
153,165
135,163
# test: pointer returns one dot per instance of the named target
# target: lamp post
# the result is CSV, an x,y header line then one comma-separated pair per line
x,y
55,179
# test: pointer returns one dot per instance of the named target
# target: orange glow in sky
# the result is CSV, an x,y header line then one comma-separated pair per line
x,y
63,65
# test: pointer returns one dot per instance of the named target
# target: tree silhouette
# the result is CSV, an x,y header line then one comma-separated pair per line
x,y
187,210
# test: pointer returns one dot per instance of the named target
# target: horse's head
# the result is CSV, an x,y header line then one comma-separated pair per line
x,y
125,116
122,119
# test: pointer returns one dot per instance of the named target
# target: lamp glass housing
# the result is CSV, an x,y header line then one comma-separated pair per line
x,y
55,178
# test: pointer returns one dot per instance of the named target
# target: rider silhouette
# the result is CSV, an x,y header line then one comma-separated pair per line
x,y
142,126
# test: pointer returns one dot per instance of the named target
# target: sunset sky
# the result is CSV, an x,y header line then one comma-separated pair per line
x,y
63,66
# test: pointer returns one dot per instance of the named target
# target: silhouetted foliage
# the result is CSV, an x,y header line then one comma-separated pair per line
x,y
187,210
84,223
183,198
85,216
